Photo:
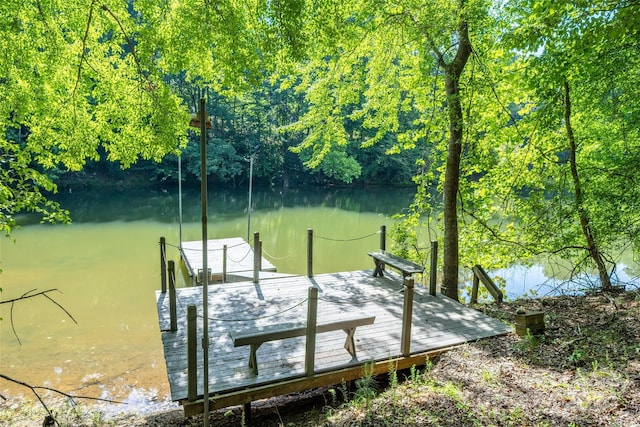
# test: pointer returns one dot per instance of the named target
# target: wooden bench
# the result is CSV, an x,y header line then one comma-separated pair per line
x,y
406,267
255,338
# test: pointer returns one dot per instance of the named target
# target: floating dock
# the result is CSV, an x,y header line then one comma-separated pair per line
x,y
239,264
434,324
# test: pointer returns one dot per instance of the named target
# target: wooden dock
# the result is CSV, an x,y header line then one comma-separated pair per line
x,y
239,260
436,323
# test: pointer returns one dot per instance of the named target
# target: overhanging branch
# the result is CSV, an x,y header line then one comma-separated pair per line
x,y
28,295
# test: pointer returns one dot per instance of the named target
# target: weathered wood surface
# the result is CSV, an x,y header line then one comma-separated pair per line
x,y
437,322
281,331
239,258
406,267
479,275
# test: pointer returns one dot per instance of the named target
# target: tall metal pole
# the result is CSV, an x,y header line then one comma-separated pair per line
x,y
205,267
180,197
250,190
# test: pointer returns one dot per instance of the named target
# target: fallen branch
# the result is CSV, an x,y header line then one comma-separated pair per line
x,y
34,390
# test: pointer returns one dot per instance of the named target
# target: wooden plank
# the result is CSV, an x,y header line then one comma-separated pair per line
x,y
482,275
436,322
320,379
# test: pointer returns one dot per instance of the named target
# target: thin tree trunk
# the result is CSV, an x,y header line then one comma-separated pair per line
x,y
449,286
453,71
592,246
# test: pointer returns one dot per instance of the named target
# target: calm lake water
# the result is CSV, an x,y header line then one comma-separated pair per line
x,y
105,268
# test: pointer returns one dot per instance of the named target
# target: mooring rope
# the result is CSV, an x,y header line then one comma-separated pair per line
x,y
346,302
266,316
315,236
200,249
241,259
264,251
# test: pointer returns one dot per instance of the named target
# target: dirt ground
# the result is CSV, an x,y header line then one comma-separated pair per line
x,y
584,370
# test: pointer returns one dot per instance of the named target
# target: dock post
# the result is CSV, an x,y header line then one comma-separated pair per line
x,y
310,348
310,252
224,264
256,259
433,274
474,289
383,238
163,265
246,410
260,255
192,351
407,314
172,297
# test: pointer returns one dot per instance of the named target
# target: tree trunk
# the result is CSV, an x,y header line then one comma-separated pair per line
x,y
453,71
592,246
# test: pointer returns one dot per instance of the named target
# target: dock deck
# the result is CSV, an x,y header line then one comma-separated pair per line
x,y
239,259
437,322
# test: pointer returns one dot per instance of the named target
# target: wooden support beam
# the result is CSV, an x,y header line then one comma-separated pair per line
x,y
433,273
312,319
407,314
224,264
474,289
383,238
163,265
319,379
192,352
256,257
173,317
246,409
309,253
482,275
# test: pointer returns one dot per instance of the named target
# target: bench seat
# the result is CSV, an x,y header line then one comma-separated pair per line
x,y
406,267
256,337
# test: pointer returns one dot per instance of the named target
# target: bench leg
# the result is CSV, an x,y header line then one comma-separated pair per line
x,y
350,344
253,360
379,270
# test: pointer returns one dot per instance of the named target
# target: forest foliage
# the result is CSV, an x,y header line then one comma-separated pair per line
x,y
517,121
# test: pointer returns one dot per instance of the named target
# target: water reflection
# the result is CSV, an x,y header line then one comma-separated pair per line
x,y
162,205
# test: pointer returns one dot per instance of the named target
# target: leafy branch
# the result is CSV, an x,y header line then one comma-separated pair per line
x,y
84,45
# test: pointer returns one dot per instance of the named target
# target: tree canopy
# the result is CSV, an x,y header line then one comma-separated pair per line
x,y
518,119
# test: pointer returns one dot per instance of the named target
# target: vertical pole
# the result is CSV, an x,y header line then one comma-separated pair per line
x,y
474,289
256,260
433,273
192,352
383,238
172,297
310,348
180,198
407,314
224,264
250,191
309,252
205,267
260,255
246,409
163,265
